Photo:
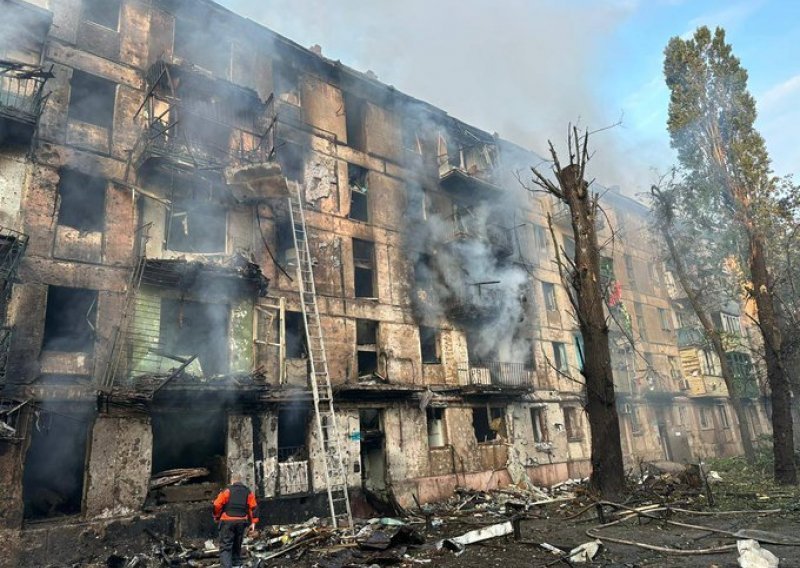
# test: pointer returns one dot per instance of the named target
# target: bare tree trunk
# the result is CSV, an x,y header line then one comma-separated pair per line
x,y
780,395
711,332
606,455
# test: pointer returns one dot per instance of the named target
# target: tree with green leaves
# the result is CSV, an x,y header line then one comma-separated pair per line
x,y
727,180
707,288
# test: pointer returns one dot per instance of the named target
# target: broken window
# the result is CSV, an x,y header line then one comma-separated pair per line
x,y
295,335
540,238
359,203
285,242
91,99
579,351
639,311
636,423
539,423
190,440
606,270
655,277
355,110
436,431
53,476
629,271
663,318
429,345
70,320
549,291
190,329
364,268
489,423
292,434
82,201
709,364
560,361
674,367
102,12
722,412
572,423
366,347
705,417
196,227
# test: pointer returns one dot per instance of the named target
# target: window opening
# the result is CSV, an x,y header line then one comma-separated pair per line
x,y
429,345
194,328
436,431
366,348
364,268
359,202
539,423
82,201
91,99
102,12
292,434
70,319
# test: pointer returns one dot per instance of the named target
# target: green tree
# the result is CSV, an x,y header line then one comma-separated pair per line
x,y
727,172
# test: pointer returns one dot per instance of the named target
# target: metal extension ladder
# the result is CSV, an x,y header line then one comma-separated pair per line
x,y
327,430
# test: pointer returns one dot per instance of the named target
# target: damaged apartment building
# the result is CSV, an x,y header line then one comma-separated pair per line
x,y
158,302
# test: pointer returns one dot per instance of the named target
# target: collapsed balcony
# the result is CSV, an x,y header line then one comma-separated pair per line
x,y
21,98
467,163
200,123
497,376
183,326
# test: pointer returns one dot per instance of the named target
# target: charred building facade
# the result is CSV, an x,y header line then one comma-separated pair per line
x,y
153,318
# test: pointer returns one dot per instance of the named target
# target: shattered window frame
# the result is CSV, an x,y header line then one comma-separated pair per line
x,y
357,180
541,435
367,353
572,424
549,293
560,358
430,345
78,333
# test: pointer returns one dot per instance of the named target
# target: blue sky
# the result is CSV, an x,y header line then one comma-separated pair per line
x,y
524,68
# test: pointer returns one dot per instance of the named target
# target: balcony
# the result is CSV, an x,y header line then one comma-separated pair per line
x,y
21,99
12,247
467,227
478,301
470,170
5,349
197,122
493,375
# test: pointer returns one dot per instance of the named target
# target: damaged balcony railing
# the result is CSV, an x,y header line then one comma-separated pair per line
x,y
497,374
21,91
5,349
10,420
12,247
188,136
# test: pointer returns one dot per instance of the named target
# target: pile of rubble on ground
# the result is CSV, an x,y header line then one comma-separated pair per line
x,y
434,533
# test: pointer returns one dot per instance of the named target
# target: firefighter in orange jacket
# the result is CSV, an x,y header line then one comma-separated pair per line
x,y
234,510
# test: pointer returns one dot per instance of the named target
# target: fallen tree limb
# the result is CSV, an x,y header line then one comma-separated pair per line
x,y
663,549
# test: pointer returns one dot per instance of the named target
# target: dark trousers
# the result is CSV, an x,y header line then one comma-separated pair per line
x,y
231,534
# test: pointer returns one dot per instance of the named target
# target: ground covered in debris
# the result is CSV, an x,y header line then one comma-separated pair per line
x,y
672,516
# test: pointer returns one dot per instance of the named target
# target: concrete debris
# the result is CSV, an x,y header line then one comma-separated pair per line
x,y
585,552
751,555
